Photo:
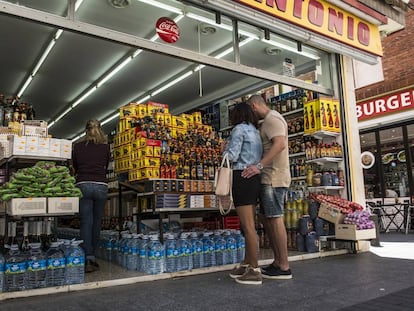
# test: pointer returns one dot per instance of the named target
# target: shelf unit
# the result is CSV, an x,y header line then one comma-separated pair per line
x,y
325,160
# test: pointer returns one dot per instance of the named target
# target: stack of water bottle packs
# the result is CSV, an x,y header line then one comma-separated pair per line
x,y
310,228
180,251
62,263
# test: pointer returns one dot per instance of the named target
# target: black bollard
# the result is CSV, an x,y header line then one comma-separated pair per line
x,y
376,241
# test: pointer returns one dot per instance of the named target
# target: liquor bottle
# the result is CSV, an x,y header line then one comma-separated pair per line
x,y
200,169
330,119
323,115
306,118
11,233
25,242
210,169
205,168
162,168
186,169
173,169
180,169
167,168
312,116
336,115
193,169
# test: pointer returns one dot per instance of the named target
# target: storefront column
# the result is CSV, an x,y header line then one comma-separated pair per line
x,y
352,132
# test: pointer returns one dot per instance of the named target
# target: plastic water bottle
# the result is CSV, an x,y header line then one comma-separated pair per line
x,y
241,245
219,248
56,266
132,259
171,254
75,264
1,273
143,253
197,251
114,246
125,250
36,267
231,248
120,251
15,270
155,263
184,259
208,250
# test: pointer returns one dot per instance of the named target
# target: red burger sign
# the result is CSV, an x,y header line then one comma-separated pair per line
x,y
167,30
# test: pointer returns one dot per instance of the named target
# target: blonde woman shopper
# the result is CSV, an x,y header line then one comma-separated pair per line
x,y
90,158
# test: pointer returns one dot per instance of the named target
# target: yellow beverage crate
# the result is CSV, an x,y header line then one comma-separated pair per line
x,y
159,118
128,110
141,110
117,152
197,119
150,162
157,151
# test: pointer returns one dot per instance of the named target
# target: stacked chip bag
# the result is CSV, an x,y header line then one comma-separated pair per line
x,y
44,179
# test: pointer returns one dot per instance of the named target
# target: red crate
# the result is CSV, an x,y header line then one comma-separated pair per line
x,y
231,222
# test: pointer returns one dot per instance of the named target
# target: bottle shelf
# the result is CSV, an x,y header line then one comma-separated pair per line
x,y
325,160
298,178
325,188
296,135
323,134
297,155
292,112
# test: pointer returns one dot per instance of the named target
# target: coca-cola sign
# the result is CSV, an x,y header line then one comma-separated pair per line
x,y
167,30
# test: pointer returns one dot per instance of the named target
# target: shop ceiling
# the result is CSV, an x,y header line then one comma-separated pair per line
x,y
78,62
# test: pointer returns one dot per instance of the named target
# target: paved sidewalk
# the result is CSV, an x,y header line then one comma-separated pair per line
x,y
346,282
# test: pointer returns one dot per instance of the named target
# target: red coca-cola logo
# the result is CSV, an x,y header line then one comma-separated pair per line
x,y
167,30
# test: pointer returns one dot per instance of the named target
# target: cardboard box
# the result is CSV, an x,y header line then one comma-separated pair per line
x,y
19,144
65,149
349,232
330,213
26,207
63,205
55,145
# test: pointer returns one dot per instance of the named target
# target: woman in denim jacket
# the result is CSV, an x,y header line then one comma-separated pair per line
x,y
244,148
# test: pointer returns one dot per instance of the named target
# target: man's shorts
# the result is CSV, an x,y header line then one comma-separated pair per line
x,y
272,200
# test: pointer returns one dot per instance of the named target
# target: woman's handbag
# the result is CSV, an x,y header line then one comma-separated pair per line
x,y
223,183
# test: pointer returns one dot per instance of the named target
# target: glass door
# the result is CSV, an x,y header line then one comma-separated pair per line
x,y
394,163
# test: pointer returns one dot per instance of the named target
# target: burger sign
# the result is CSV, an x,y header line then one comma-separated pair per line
x,y
167,30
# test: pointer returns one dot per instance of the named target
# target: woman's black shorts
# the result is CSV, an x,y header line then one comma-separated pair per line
x,y
245,190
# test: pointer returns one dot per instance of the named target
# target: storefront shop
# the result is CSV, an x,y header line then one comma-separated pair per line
x,y
124,62
387,149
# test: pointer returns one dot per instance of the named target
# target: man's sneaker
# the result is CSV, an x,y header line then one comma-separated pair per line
x,y
274,273
252,276
265,268
238,271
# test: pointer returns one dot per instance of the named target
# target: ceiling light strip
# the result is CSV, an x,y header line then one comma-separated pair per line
x,y
114,71
162,6
83,97
45,54
173,82
25,85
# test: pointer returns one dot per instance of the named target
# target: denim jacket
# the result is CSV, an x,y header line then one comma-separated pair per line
x,y
244,146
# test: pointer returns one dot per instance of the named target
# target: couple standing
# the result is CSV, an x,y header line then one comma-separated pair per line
x,y
260,170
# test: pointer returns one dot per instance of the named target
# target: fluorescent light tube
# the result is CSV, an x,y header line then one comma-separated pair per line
x,y
173,82
63,114
25,85
145,98
116,115
93,89
78,137
136,53
51,124
290,48
114,71
163,6
58,34
78,4
223,26
43,57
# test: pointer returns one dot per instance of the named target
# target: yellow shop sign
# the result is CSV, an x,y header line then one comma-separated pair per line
x,y
324,18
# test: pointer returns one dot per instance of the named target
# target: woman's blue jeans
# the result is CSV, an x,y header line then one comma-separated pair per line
x,y
91,207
